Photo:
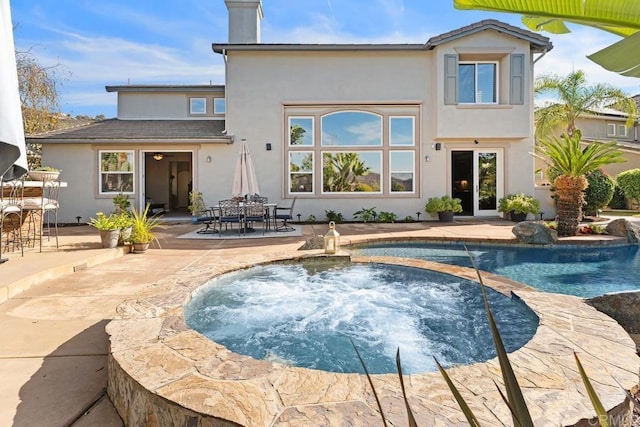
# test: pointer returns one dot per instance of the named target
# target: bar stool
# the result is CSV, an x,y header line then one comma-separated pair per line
x,y
11,213
41,209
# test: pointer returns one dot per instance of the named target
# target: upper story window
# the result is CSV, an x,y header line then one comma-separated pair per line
x,y
477,79
117,170
478,82
197,105
219,106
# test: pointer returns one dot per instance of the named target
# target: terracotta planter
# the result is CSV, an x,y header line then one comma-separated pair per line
x,y
109,238
445,216
140,247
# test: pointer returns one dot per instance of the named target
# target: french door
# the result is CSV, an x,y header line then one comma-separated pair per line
x,y
477,179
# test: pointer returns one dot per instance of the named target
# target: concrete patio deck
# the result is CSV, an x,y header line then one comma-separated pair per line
x,y
54,307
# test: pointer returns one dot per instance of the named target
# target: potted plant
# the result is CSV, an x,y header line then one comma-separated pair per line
x,y
196,205
444,206
518,206
121,202
108,227
44,173
142,233
125,225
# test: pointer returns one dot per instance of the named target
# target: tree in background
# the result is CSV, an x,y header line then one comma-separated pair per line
x,y
575,99
619,17
39,96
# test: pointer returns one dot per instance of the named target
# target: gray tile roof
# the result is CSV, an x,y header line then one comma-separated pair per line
x,y
156,131
538,41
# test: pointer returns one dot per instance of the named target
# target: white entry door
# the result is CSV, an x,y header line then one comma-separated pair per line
x,y
477,178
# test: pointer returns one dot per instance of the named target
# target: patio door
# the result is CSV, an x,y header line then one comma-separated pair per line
x,y
477,180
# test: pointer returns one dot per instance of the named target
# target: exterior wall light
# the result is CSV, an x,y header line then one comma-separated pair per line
x,y
158,156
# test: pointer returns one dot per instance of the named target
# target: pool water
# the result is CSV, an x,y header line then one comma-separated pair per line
x,y
583,272
305,314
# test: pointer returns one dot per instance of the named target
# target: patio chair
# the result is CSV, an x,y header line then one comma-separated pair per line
x,y
254,211
267,212
285,214
11,213
209,219
229,212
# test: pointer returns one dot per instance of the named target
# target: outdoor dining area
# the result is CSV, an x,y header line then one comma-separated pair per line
x,y
246,211
28,210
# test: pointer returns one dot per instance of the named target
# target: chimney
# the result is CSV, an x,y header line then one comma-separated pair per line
x,y
244,20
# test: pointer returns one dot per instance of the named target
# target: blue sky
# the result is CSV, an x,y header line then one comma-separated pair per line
x,y
113,42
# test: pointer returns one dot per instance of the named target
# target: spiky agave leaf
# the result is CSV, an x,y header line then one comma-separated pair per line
x,y
411,419
366,372
603,417
514,393
468,413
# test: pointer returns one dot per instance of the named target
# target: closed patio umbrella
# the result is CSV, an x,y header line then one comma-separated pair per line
x,y
13,156
244,181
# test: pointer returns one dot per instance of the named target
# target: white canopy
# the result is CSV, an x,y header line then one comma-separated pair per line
x,y
13,156
244,181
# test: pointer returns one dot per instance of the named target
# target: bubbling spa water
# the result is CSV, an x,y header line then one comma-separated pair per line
x,y
306,313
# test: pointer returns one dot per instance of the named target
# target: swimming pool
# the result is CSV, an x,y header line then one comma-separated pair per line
x,y
583,272
305,314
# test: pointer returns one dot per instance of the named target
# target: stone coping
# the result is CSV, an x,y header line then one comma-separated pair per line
x,y
160,372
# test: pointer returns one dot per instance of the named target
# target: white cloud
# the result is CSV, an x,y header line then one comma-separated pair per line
x,y
570,53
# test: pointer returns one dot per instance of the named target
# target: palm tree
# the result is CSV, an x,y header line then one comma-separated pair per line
x,y
576,99
570,162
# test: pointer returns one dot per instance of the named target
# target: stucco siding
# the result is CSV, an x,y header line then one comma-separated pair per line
x,y
161,106
489,120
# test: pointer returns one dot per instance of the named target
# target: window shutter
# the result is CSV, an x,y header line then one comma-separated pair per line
x,y
450,79
516,87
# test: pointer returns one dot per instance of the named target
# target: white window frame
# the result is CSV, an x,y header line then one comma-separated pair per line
x,y
216,110
313,130
342,147
496,78
332,193
611,129
385,112
413,133
195,112
622,130
102,174
412,171
311,173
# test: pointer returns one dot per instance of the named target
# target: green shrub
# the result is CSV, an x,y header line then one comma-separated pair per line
x,y
366,214
599,192
519,204
334,216
629,182
388,217
618,201
443,204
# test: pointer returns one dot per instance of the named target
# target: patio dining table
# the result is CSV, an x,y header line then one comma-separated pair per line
x,y
270,209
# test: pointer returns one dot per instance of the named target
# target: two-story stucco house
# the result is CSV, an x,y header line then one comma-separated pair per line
x,y
338,126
